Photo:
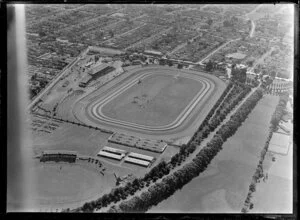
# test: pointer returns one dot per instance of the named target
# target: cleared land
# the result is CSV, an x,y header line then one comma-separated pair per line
x,y
223,187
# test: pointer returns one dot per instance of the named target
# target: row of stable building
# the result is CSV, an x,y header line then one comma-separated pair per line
x,y
108,152
144,144
134,158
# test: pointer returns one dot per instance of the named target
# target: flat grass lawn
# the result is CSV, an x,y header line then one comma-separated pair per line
x,y
224,185
60,184
71,137
156,101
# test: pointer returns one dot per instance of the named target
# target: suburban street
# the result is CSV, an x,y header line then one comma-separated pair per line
x,y
216,50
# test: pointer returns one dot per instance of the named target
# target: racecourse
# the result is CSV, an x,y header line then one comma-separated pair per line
x,y
170,101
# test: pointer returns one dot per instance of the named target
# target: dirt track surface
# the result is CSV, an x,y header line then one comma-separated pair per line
x,y
191,116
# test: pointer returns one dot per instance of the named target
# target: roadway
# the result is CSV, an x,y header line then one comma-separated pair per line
x,y
216,50
56,79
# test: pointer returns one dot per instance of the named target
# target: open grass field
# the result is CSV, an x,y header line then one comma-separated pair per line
x,y
71,137
155,102
59,185
224,185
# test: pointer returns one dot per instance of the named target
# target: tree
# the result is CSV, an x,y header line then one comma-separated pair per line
x,y
111,33
170,63
239,75
42,34
227,23
209,22
209,66
87,207
250,63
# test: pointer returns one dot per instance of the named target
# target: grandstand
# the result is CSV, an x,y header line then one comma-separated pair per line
x,y
95,73
59,156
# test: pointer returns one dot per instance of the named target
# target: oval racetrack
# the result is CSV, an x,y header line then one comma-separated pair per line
x,y
92,104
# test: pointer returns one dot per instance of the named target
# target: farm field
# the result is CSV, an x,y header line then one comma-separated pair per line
x,y
223,187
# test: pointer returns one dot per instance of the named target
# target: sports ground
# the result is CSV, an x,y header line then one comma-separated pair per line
x,y
152,101
156,102
65,185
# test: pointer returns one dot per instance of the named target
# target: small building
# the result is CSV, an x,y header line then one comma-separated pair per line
x,y
237,56
136,62
85,81
123,139
88,64
151,145
131,141
279,143
140,156
286,126
137,161
153,53
110,155
114,150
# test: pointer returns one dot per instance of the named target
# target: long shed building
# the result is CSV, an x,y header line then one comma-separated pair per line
x,y
137,161
111,155
140,156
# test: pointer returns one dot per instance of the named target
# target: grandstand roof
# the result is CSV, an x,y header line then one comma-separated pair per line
x,y
59,152
98,68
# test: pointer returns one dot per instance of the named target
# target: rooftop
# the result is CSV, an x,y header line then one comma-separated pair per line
x,y
279,143
238,56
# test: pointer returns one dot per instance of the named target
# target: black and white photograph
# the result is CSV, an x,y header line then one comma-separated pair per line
x,y
151,108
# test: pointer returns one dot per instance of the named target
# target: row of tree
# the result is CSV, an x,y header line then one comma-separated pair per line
x,y
171,183
277,115
155,173
257,175
280,109
84,125
163,168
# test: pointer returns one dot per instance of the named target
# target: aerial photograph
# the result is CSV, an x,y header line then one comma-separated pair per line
x,y
159,108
